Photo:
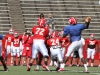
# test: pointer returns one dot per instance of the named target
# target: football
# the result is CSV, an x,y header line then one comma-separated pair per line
x,y
88,19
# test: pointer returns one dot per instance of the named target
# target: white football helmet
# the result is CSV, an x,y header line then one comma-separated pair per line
x,y
16,34
11,31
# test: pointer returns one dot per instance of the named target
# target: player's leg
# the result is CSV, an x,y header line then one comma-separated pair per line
x,y
24,53
21,56
71,49
44,52
18,55
71,59
92,57
3,63
60,59
88,56
29,55
38,61
34,55
54,53
80,51
7,53
12,55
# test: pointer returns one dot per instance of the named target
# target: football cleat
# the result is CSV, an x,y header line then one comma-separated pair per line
x,y
86,71
46,67
36,69
61,69
29,68
6,69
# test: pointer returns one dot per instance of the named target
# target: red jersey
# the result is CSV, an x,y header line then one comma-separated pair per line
x,y
24,37
9,38
28,41
91,43
16,41
54,41
65,41
40,33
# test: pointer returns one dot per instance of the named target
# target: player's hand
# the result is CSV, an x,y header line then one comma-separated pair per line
x,y
87,19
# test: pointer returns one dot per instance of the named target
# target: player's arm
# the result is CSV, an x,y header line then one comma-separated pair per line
x,y
87,21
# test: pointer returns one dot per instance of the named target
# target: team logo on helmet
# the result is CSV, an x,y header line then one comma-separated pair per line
x,y
72,21
54,34
42,23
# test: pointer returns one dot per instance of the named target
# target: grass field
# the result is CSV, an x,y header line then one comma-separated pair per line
x,y
21,70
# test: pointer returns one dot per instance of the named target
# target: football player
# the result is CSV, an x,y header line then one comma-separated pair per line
x,y
8,39
92,47
55,49
74,30
40,33
27,49
16,48
65,42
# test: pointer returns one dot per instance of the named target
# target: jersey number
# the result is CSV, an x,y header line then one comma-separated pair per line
x,y
9,39
39,31
16,41
55,42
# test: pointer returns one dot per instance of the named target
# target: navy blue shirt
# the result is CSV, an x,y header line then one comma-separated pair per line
x,y
74,31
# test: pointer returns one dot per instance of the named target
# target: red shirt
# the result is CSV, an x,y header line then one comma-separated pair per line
x,y
40,33
16,41
65,41
27,41
9,38
91,43
54,41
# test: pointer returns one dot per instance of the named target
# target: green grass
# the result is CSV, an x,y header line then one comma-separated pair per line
x,y
21,70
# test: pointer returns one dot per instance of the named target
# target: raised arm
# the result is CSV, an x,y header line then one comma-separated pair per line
x,y
87,21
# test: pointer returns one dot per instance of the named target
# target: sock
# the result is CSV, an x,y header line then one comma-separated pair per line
x,y
38,67
51,62
91,64
11,62
87,63
85,66
62,65
24,62
55,63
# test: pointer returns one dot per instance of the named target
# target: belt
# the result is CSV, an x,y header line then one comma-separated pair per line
x,y
55,47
